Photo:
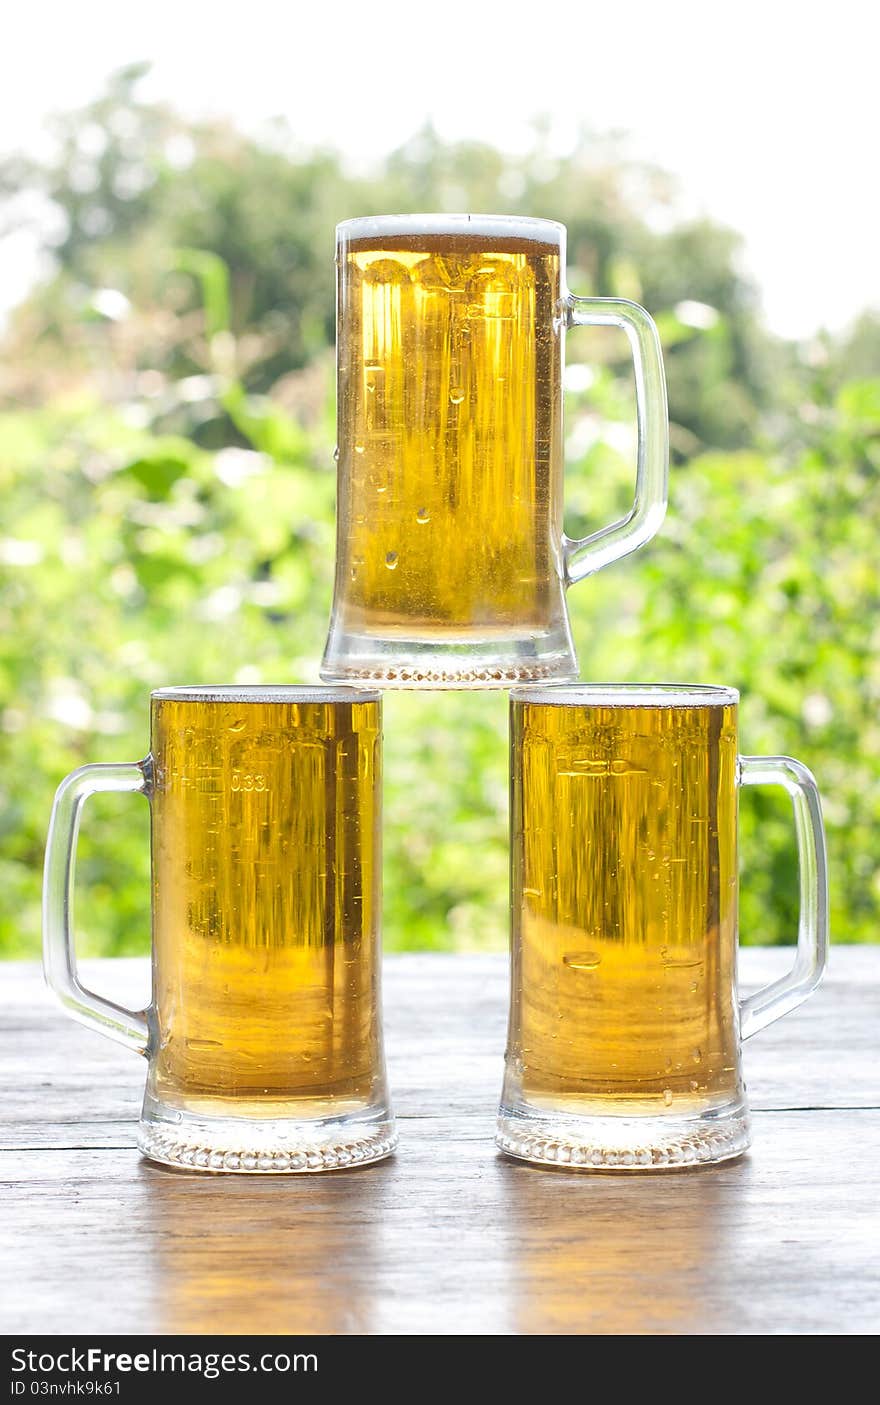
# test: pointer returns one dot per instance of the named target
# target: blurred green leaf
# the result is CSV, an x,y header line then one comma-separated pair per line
x,y
158,473
213,278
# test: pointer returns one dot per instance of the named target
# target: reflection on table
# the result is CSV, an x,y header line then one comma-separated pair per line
x,y
259,1255
619,1255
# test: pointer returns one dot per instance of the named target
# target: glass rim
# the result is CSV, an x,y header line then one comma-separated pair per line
x,y
526,226
658,695
264,693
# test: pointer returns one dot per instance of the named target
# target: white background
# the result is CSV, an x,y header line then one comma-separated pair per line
x,y
765,112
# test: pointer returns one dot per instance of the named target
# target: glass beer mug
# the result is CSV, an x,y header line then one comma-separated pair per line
x,y
451,559
625,1023
263,1038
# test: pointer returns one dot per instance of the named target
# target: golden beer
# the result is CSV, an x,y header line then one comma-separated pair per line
x,y
450,448
624,911
266,892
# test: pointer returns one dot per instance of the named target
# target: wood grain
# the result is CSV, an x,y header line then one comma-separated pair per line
x,y
448,1237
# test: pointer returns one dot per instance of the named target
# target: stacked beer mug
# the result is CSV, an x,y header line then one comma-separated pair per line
x,y
263,1037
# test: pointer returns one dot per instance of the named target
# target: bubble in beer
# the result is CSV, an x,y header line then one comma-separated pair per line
x,y
391,560
582,960
423,515
456,395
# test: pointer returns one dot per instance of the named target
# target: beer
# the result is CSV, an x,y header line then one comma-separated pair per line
x,y
624,903
449,432
266,891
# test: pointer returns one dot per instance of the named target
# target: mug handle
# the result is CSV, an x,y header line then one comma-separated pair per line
x,y
777,999
585,555
128,1027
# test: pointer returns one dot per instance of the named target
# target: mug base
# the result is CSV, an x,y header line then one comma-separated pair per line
x,y
649,1143
277,1146
448,661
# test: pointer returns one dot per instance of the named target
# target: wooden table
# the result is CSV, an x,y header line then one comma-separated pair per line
x,y
448,1237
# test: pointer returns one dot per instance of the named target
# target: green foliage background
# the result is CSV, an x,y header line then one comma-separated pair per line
x,y
166,435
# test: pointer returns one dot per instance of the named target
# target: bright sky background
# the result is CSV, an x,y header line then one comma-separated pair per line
x,y
766,112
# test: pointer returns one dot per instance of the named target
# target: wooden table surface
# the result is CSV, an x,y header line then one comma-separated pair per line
x,y
448,1237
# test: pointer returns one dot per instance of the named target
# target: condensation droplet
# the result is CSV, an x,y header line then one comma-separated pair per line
x,y
238,725
698,1056
336,453
695,1087
456,395
695,985
667,1096
359,448
391,560
423,515
371,387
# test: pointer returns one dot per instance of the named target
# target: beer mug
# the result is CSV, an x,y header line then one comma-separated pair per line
x,y
625,1024
263,1038
451,559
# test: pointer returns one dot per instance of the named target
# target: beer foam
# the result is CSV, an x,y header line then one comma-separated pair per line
x,y
627,695
272,693
482,226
